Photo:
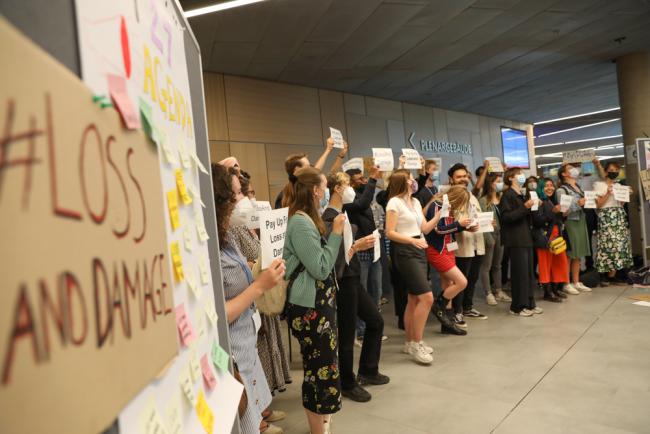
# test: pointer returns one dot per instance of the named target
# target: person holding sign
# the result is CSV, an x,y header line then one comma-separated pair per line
x,y
440,253
354,301
426,183
518,241
405,224
614,251
311,295
547,226
241,291
576,224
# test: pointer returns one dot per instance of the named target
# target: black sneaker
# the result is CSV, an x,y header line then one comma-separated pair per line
x,y
473,313
441,315
357,394
460,322
373,380
453,330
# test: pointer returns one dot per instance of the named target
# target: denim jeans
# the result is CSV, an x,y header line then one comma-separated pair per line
x,y
371,282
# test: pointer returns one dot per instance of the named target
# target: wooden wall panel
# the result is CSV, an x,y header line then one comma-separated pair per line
x,y
219,150
215,106
366,133
332,113
252,159
267,112
275,156
384,108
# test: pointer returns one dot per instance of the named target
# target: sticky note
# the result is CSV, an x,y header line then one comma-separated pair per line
x,y
184,325
174,417
211,313
220,357
200,228
121,100
187,385
172,205
191,283
177,262
186,161
146,117
203,268
187,239
180,186
200,325
204,413
199,164
150,420
195,367
194,192
208,375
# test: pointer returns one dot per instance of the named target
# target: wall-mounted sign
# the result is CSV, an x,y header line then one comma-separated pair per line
x,y
440,147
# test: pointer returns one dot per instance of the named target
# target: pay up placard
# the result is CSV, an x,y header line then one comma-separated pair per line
x,y
273,227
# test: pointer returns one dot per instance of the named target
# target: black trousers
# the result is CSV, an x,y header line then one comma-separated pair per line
x,y
470,267
354,301
522,278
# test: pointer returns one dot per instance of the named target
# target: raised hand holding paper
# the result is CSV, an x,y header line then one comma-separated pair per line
x,y
337,137
579,156
413,160
495,164
621,192
383,158
273,227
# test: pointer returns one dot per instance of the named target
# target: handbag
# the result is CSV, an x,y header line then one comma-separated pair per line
x,y
557,245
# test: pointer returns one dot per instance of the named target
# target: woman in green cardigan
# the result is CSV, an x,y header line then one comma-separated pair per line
x,y
311,311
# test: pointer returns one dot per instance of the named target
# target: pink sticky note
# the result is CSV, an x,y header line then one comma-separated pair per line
x,y
208,375
124,105
185,329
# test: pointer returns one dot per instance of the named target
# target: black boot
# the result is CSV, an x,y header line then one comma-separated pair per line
x,y
557,290
549,295
439,311
453,329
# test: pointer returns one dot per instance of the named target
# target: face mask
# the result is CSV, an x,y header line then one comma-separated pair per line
x,y
521,179
348,195
414,187
499,187
574,172
326,199
435,175
612,175
240,214
532,186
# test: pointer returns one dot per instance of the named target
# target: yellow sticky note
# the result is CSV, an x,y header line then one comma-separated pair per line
x,y
177,261
204,413
195,368
172,204
182,189
150,420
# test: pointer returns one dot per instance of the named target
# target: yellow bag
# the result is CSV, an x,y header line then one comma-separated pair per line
x,y
557,245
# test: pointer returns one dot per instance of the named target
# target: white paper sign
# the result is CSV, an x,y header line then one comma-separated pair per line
x,y
590,199
579,156
348,238
377,245
337,137
444,211
353,163
252,218
383,158
621,192
494,164
485,221
273,227
565,202
535,198
412,159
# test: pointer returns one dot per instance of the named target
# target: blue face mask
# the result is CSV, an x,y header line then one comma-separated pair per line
x,y
326,198
521,179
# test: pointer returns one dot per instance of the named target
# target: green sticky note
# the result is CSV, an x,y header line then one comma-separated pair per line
x,y
220,357
145,116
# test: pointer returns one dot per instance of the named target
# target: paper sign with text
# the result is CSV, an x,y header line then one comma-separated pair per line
x,y
383,158
579,156
353,163
590,199
273,227
565,202
337,137
621,192
485,220
644,176
252,216
412,159
494,164
348,239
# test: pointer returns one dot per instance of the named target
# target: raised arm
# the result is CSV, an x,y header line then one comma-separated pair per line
x,y
338,161
320,163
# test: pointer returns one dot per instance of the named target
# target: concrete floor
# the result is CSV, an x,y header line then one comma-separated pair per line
x,y
581,367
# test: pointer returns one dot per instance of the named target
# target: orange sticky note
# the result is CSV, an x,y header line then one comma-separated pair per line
x,y
172,205
121,100
208,374
177,262
204,413
182,189
185,329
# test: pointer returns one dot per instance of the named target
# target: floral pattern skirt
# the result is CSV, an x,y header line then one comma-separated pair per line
x,y
614,250
316,331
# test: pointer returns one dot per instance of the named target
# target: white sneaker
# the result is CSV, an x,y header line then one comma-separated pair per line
x,y
502,296
490,299
582,287
419,354
570,289
427,348
406,349
537,310
523,312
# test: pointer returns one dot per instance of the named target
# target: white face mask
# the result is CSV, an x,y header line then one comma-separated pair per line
x,y
574,172
521,179
241,212
348,195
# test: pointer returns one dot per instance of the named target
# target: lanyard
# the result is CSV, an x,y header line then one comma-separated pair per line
x,y
242,264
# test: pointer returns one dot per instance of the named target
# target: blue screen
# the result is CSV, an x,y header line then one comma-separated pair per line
x,y
515,147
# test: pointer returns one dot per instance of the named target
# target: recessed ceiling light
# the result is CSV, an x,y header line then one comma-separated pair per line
x,y
577,116
219,7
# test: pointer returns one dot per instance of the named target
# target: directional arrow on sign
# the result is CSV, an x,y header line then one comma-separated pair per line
x,y
411,140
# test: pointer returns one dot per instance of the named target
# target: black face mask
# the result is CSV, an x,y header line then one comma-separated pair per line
x,y
612,175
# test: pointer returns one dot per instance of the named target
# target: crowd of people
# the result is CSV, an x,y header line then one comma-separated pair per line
x,y
433,258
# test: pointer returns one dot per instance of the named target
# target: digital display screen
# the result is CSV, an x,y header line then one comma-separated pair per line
x,y
515,147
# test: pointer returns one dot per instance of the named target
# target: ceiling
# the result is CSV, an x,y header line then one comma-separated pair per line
x,y
526,60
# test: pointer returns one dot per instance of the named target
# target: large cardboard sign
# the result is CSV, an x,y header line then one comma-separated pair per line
x,y
86,309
